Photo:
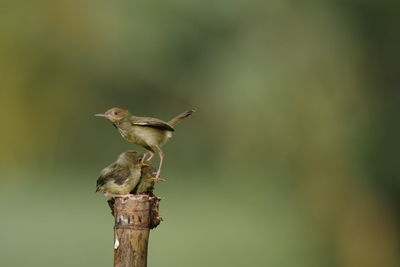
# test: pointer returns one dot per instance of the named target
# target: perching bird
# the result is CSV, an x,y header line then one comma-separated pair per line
x,y
122,176
150,133
147,181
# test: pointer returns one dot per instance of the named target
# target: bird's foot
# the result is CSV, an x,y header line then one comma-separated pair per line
x,y
157,179
145,164
158,174
145,155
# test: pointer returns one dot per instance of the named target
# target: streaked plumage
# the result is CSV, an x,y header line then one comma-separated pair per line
x,y
122,176
150,133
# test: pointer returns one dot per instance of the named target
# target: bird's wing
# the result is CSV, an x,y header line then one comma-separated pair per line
x,y
119,174
151,122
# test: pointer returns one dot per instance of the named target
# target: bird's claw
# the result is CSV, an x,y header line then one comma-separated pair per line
x,y
157,179
145,164
157,174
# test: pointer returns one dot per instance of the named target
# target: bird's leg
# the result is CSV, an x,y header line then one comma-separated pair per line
x,y
144,157
161,154
151,155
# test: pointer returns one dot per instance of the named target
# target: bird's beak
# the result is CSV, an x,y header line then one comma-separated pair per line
x,y
101,115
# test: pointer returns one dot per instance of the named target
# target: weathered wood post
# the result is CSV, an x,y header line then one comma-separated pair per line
x,y
134,217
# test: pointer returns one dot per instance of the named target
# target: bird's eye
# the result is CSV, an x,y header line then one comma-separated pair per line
x,y
115,113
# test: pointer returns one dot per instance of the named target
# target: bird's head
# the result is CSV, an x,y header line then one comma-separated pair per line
x,y
131,157
115,114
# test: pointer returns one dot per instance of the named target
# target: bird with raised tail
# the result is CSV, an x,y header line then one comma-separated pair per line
x,y
150,133
122,176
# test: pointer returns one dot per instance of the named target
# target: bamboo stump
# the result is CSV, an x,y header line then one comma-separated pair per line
x,y
134,217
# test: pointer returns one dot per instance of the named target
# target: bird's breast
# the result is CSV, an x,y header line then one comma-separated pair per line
x,y
125,134
145,136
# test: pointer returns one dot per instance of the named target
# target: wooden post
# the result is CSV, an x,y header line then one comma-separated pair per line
x,y
134,217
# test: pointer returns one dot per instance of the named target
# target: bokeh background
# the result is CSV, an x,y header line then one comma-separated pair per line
x,y
290,160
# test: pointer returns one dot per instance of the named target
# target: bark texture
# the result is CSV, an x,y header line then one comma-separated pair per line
x,y
134,217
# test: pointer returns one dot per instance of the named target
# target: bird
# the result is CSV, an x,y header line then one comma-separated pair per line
x,y
150,133
147,181
122,176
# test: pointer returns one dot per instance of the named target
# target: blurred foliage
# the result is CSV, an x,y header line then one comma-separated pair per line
x,y
290,160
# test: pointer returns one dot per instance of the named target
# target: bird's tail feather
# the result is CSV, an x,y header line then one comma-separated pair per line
x,y
181,116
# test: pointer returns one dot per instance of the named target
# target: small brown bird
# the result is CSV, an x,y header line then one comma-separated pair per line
x,y
147,181
122,176
150,133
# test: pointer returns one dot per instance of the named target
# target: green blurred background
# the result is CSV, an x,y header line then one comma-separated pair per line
x,y
290,160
